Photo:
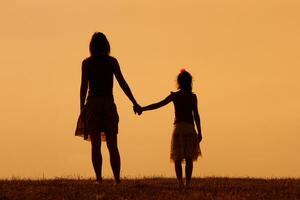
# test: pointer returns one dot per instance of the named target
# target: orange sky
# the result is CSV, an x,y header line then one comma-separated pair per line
x,y
243,56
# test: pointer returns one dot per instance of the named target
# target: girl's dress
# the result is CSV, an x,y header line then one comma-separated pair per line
x,y
184,144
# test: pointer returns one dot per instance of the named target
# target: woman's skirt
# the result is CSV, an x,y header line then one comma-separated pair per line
x,y
184,144
98,115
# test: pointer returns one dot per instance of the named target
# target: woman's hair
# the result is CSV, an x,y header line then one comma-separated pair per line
x,y
99,45
184,80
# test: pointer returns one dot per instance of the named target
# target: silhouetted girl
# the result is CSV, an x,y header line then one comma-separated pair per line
x,y
185,140
98,110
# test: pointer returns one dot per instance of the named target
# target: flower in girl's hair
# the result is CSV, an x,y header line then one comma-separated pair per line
x,y
182,70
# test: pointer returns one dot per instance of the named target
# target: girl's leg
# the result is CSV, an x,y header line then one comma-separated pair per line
x,y
188,171
115,162
178,170
96,156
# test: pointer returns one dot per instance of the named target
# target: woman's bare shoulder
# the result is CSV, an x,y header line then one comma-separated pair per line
x,y
90,60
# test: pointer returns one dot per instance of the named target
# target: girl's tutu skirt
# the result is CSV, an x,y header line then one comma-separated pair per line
x,y
184,144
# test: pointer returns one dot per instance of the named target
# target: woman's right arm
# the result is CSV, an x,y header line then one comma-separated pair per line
x,y
84,85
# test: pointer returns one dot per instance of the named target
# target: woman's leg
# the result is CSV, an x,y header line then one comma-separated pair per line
x,y
96,156
178,170
188,171
115,162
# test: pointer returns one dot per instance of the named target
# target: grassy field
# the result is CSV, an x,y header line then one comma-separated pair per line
x,y
151,188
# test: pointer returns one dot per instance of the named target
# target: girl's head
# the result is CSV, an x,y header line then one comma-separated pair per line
x,y
184,80
99,45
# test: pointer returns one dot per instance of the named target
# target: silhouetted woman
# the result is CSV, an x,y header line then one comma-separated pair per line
x,y
98,111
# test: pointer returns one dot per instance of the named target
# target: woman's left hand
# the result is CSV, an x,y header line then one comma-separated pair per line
x,y
137,109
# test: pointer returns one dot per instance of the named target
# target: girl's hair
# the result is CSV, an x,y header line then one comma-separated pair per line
x,y
184,80
99,45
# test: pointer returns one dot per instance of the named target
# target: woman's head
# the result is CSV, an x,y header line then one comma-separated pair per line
x,y
184,80
99,45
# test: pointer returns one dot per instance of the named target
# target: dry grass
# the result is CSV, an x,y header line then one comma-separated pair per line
x,y
151,188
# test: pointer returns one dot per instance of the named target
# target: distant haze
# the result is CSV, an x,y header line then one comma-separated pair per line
x,y
243,55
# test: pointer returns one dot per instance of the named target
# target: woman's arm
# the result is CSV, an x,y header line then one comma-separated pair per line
x,y
162,103
197,118
84,85
123,84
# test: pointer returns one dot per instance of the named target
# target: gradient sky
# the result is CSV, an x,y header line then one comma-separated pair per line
x,y
244,56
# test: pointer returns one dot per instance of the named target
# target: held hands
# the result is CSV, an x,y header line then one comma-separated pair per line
x,y
137,109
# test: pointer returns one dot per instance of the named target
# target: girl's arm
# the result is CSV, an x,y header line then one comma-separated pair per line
x,y
84,85
123,84
164,102
197,118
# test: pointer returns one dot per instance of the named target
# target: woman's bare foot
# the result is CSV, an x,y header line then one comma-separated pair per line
x,y
117,182
98,180
187,185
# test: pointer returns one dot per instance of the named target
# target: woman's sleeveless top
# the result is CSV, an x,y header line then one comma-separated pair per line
x,y
100,73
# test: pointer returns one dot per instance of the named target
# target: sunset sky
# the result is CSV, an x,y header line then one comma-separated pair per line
x,y
243,55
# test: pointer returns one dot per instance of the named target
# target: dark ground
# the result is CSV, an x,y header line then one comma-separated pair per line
x,y
151,188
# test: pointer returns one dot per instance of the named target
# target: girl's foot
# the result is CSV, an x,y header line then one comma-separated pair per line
x,y
180,185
